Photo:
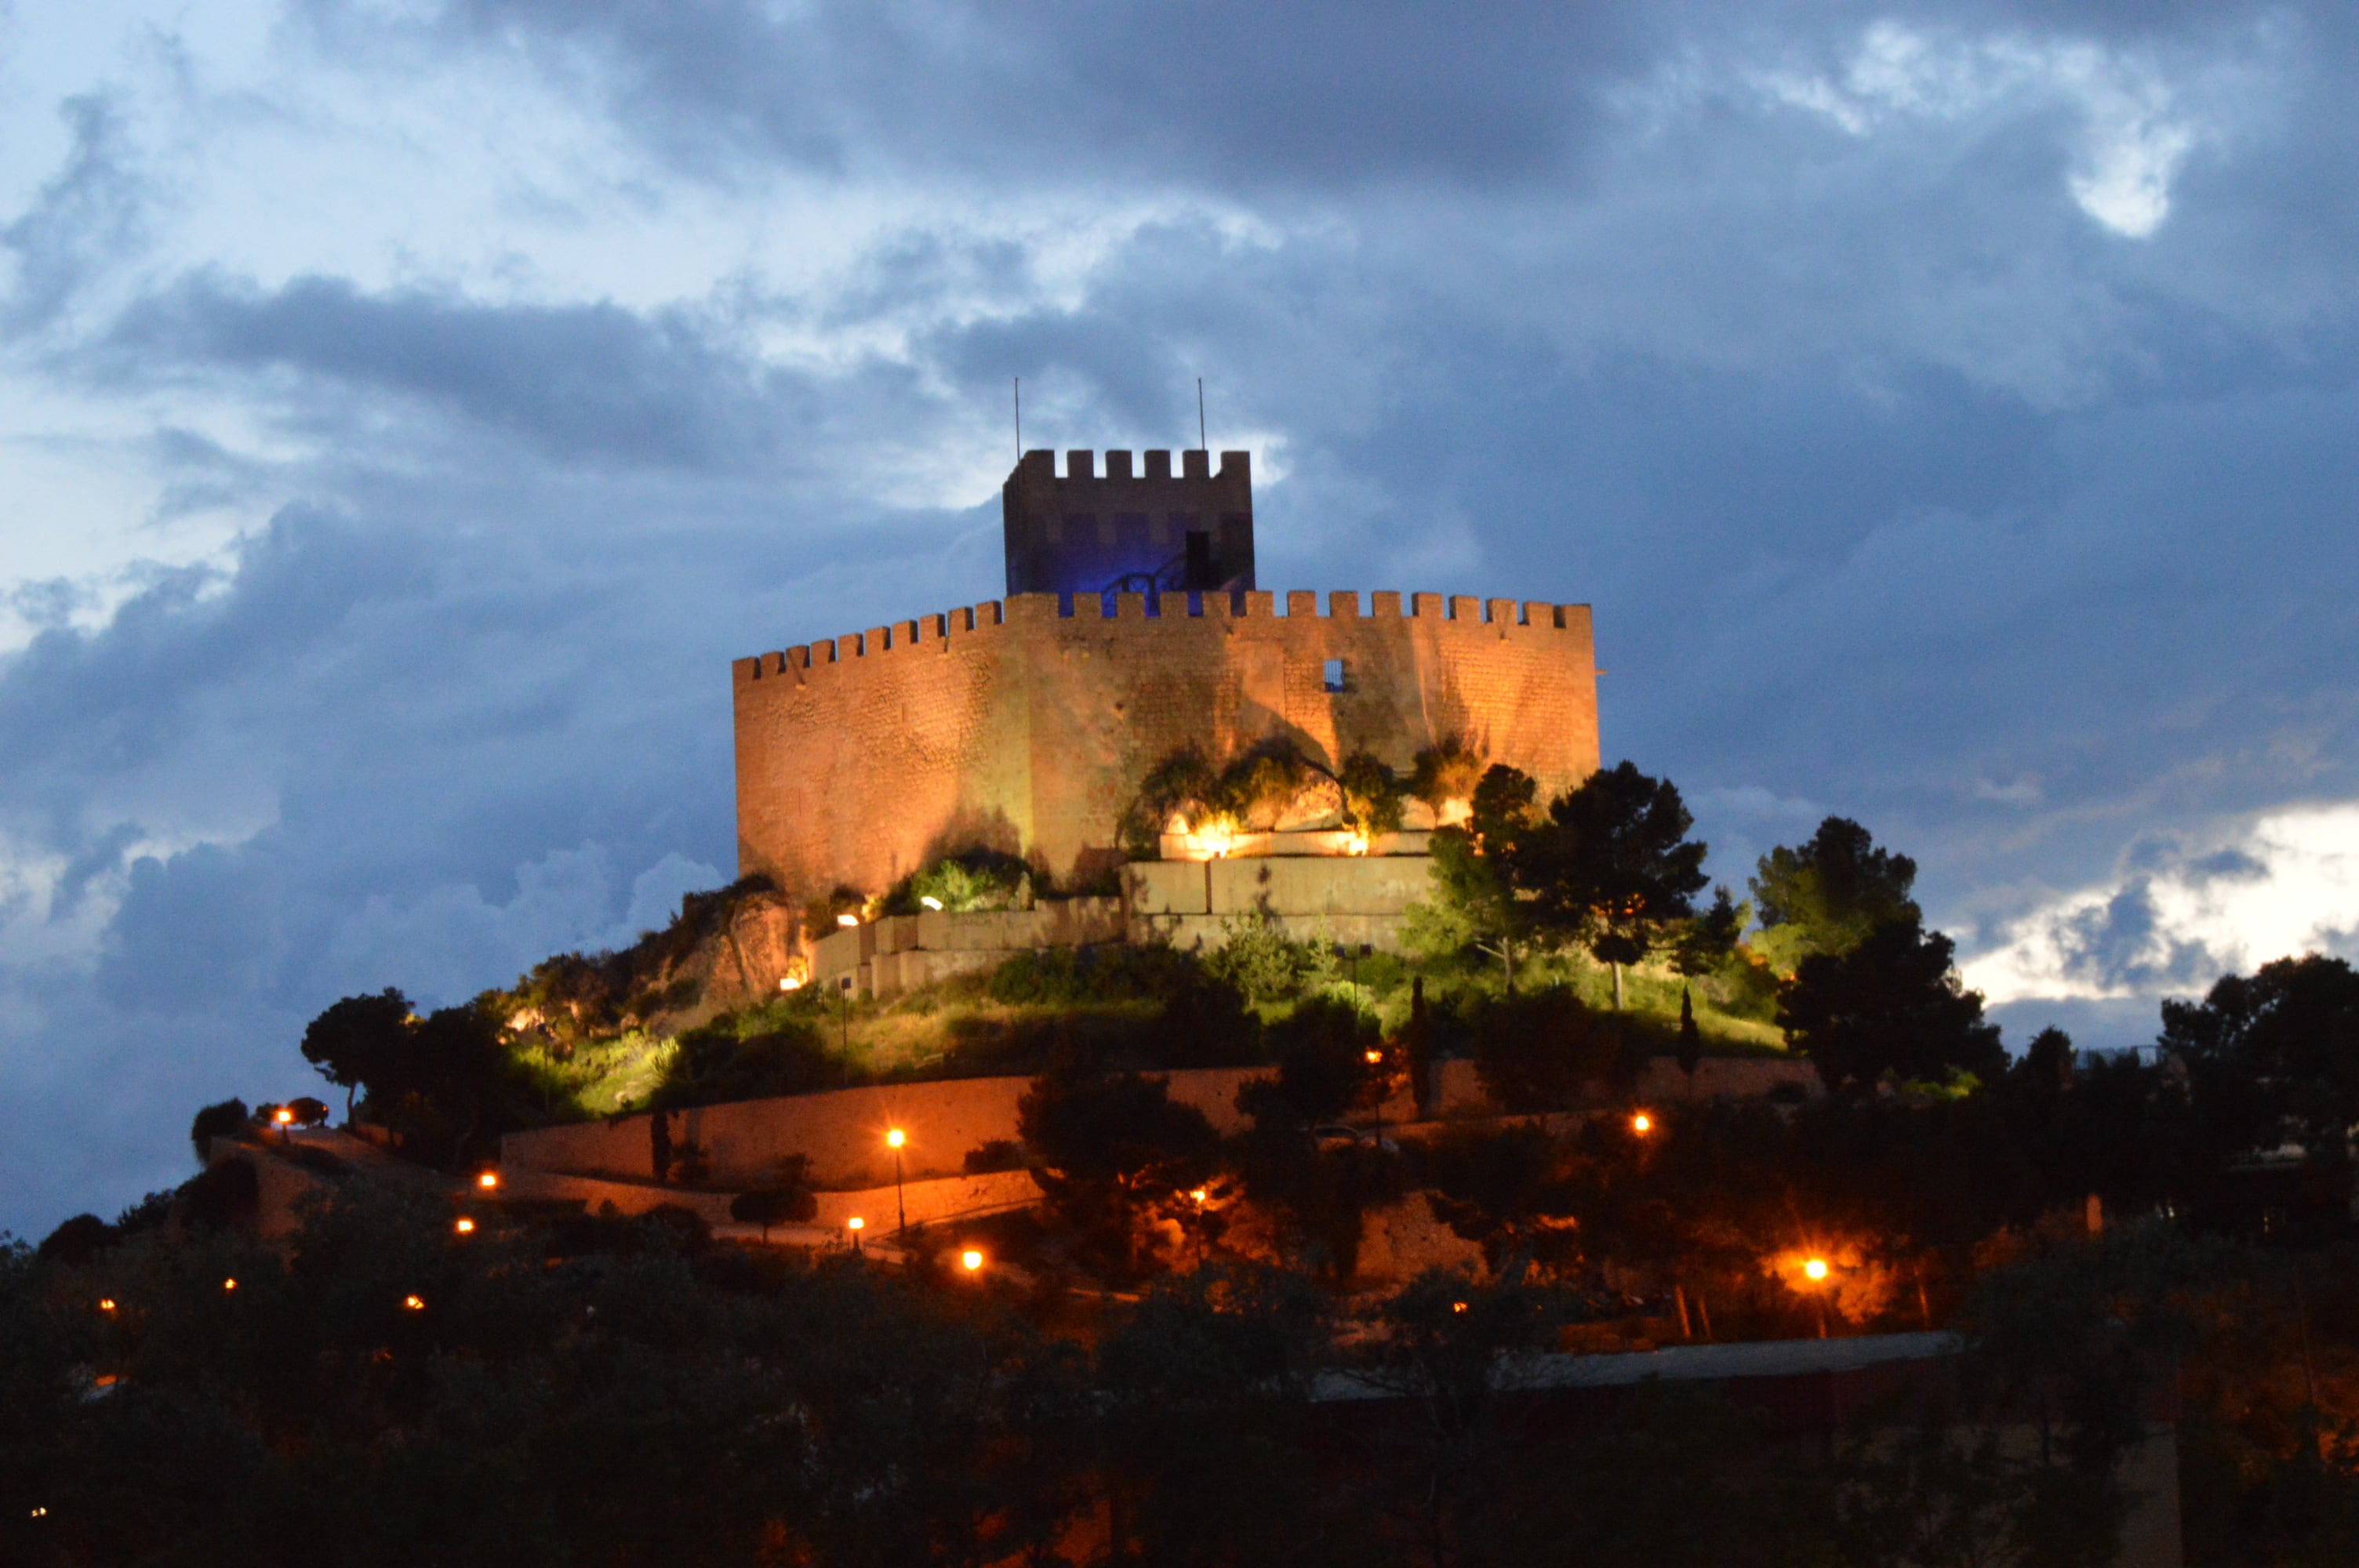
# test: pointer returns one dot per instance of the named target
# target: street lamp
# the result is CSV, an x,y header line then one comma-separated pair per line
x,y
286,1120
894,1140
464,1226
971,1259
855,1225
1642,1124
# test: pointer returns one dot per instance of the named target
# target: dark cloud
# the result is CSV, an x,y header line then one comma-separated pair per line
x,y
590,383
1320,96
85,218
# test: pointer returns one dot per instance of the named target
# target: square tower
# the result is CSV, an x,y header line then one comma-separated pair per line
x,y
1129,531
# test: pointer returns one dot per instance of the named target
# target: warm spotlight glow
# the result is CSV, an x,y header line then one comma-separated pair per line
x,y
1457,1306
465,1227
1198,1194
1357,844
1373,1057
895,1139
856,1223
488,1179
1815,1268
970,1260
106,1304
284,1117
847,921
415,1303
229,1284
1642,1124
930,902
789,983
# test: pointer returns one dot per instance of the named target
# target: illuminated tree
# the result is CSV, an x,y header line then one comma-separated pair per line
x,y
1612,866
1829,895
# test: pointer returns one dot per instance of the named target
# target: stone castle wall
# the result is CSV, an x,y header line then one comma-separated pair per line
x,y
1027,726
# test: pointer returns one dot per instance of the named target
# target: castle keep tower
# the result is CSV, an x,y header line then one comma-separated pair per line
x,y
1131,630
1144,532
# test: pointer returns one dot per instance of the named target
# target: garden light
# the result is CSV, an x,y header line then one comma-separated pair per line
x,y
414,1303
789,983
971,1259
930,902
847,921
1373,1057
855,1224
229,1285
488,1179
465,1227
1457,1306
284,1117
1642,1124
106,1304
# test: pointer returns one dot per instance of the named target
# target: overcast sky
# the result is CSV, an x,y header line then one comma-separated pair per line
x,y
407,410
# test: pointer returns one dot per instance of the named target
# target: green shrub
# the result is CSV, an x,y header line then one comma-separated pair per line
x,y
993,1155
1257,957
713,1065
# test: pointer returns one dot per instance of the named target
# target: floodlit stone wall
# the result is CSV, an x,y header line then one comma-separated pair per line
x,y
1026,725
841,1132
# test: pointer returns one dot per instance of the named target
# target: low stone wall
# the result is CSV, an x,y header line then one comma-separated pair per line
x,y
1191,933
899,952
927,1202
841,1132
1458,1087
1285,885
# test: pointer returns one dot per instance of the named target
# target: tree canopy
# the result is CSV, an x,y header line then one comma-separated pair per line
x,y
1828,895
1612,866
1892,1005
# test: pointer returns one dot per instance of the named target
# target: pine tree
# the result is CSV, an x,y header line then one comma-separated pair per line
x,y
1690,1037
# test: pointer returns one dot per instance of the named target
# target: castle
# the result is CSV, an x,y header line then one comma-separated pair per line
x,y
1131,629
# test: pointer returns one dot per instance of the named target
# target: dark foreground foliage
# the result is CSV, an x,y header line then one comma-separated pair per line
x,y
387,1391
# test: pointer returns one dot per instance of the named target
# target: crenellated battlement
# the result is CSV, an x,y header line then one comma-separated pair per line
x,y
1132,631
1139,526
1148,611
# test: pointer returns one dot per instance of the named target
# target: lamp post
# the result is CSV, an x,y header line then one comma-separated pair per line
x,y
892,1140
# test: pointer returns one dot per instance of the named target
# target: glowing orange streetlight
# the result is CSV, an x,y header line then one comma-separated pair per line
x,y
847,921
286,1120
106,1304
789,983
971,1259
1457,1306
1642,1124
414,1303
488,1181
894,1139
1814,1269
1198,1194
229,1285
465,1227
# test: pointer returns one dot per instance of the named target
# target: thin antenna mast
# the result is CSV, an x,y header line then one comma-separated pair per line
x,y
1201,445
1019,419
